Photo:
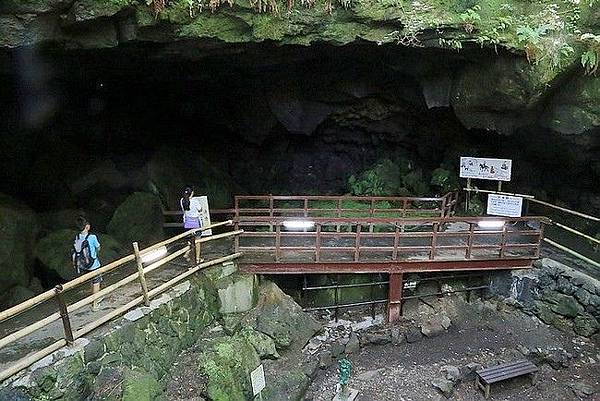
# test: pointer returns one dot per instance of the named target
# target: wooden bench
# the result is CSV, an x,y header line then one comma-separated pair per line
x,y
488,376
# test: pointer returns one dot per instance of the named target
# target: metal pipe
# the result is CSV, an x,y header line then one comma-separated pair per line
x,y
480,287
339,306
572,252
574,231
330,287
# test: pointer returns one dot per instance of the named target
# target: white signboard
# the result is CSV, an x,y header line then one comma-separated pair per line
x,y
257,377
504,205
205,215
485,169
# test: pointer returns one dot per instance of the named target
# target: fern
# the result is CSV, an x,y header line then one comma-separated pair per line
x,y
590,59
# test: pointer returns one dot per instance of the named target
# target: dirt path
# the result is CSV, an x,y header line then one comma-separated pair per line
x,y
405,372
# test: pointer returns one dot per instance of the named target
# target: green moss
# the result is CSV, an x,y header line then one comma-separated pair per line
x,y
227,363
266,26
217,26
138,385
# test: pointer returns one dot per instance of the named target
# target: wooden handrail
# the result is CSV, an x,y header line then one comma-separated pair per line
x,y
66,309
526,245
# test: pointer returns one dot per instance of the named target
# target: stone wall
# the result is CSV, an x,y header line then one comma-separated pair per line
x,y
198,341
557,294
137,351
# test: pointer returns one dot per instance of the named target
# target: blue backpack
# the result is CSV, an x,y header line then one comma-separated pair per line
x,y
82,254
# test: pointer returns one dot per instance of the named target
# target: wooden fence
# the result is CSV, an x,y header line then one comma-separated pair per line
x,y
144,264
329,206
358,240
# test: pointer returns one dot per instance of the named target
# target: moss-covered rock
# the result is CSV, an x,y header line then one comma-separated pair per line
x,y
227,363
55,249
575,107
138,219
138,385
18,229
282,319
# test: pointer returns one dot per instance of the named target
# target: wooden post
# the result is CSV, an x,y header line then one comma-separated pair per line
x,y
277,241
318,243
396,242
443,206
470,241
502,241
394,297
433,241
236,239
371,214
357,249
142,277
271,211
339,213
468,195
197,247
64,314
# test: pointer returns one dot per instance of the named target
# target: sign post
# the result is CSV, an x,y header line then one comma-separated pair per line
x,y
504,205
483,168
257,378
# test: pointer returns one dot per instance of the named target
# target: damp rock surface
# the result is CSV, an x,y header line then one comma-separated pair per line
x,y
482,334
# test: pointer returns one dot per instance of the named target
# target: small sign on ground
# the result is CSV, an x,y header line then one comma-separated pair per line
x,y
485,169
257,377
504,205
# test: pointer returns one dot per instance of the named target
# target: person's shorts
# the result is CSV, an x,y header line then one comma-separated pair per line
x,y
96,280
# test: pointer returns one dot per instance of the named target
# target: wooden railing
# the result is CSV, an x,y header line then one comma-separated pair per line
x,y
329,206
339,240
343,206
182,243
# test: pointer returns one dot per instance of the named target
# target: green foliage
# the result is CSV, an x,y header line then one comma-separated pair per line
x,y
444,179
590,59
401,178
382,179
470,18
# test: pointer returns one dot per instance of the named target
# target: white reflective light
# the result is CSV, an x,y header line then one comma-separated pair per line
x,y
491,223
154,254
298,224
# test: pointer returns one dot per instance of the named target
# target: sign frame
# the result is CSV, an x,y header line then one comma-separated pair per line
x,y
257,378
504,205
484,168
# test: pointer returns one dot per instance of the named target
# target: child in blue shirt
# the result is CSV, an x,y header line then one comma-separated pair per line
x,y
94,246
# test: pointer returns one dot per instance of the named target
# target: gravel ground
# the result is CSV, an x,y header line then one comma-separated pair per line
x,y
479,334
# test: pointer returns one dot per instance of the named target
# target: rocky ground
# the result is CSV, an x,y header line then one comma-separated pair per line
x,y
401,363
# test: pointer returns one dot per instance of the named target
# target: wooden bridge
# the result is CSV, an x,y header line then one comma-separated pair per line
x,y
391,235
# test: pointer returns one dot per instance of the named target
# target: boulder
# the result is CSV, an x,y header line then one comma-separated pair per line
x,y
54,251
170,170
237,292
451,372
445,386
262,343
353,344
564,305
435,325
15,295
226,362
574,107
279,317
18,229
586,325
138,385
138,219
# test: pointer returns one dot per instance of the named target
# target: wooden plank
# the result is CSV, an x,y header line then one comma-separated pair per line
x,y
508,374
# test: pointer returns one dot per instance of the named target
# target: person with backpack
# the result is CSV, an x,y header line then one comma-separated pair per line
x,y
192,214
191,208
85,254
